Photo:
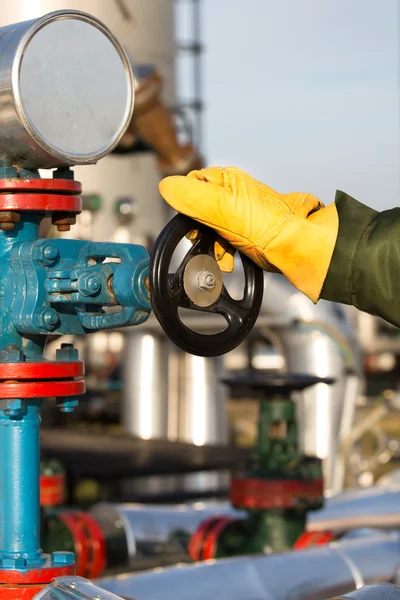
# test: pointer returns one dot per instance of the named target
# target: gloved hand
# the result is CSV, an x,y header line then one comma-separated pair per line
x,y
291,233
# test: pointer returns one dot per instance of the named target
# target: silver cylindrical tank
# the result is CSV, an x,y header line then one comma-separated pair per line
x,y
52,116
145,377
202,412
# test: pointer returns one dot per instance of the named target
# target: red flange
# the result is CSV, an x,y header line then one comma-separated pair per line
x,y
41,389
20,592
24,585
43,574
89,543
313,538
52,490
41,203
42,195
210,544
80,542
204,541
97,545
41,370
262,493
195,546
64,186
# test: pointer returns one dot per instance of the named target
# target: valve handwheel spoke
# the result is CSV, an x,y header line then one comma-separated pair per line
x,y
204,243
232,310
197,285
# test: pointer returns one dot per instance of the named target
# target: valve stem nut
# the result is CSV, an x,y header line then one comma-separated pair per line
x,y
206,280
89,285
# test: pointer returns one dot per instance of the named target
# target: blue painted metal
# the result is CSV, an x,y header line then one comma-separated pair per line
x,y
19,474
9,172
51,287
64,285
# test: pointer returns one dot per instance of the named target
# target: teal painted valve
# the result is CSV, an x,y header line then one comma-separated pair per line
x,y
48,287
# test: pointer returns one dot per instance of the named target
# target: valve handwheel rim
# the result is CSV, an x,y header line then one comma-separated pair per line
x,y
169,292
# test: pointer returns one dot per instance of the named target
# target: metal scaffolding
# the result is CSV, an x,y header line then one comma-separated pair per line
x,y
189,49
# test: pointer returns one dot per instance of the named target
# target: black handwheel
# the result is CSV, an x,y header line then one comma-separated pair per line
x,y
197,284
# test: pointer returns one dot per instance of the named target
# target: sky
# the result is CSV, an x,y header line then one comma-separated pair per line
x,y
304,94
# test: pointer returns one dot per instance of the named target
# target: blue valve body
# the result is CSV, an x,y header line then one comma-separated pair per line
x,y
50,287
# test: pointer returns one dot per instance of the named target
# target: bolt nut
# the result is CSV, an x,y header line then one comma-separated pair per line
x,y
206,280
8,220
67,352
15,408
50,317
210,280
50,253
46,254
67,404
11,353
47,319
62,558
89,285
13,563
63,221
93,284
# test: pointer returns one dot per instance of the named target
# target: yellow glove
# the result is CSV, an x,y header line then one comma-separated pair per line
x,y
291,233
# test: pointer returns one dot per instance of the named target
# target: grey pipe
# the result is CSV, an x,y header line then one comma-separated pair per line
x,y
371,507
154,531
157,531
317,573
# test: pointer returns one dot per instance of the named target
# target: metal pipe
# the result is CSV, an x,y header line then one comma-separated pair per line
x,y
145,390
346,425
19,479
370,507
202,414
158,531
387,591
150,529
317,573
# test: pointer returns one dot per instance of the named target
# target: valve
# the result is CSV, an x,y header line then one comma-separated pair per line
x,y
197,285
58,287
277,488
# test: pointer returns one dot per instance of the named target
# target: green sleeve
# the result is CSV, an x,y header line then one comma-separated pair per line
x,y
365,266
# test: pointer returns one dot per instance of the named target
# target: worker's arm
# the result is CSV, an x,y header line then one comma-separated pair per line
x,y
345,252
365,266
